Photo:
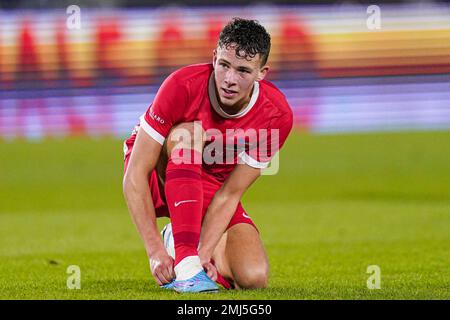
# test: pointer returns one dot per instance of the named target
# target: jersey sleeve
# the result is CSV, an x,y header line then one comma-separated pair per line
x,y
269,142
166,110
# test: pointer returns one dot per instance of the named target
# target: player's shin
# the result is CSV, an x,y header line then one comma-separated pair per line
x,y
184,195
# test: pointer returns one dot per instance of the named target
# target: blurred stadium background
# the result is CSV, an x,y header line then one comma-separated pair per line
x,y
337,74
386,192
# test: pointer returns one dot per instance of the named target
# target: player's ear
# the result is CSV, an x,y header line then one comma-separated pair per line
x,y
263,72
214,57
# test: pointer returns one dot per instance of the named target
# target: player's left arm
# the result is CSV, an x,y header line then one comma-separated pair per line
x,y
222,207
224,203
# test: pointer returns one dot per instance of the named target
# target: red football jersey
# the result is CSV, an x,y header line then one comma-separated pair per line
x,y
252,136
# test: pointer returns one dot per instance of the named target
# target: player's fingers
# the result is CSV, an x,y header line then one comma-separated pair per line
x,y
214,271
170,268
166,275
206,268
213,275
157,279
172,271
160,274
154,272
211,271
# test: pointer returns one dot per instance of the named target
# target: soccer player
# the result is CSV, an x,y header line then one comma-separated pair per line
x,y
181,162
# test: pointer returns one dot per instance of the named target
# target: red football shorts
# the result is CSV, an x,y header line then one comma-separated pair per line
x,y
210,186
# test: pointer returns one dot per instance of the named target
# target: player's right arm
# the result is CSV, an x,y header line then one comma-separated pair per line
x,y
166,110
143,159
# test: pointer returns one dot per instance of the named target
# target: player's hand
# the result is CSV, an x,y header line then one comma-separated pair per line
x,y
210,270
161,267
208,266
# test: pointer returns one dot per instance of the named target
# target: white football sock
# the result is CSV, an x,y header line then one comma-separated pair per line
x,y
188,267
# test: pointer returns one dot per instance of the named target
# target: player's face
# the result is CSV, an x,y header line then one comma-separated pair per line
x,y
235,77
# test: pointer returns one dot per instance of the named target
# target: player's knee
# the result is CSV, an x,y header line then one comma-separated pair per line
x,y
187,135
255,278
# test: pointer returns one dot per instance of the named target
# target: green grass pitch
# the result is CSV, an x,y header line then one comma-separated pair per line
x,y
339,204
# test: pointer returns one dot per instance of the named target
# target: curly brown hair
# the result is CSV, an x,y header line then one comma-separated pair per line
x,y
247,37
